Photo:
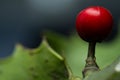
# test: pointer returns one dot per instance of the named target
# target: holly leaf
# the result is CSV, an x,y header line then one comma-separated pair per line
x,y
42,63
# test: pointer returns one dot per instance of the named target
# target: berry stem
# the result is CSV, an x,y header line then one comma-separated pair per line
x,y
91,49
91,65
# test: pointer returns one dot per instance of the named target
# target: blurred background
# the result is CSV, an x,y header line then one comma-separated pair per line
x,y
24,21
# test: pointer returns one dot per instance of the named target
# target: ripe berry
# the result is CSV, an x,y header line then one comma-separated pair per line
x,y
94,23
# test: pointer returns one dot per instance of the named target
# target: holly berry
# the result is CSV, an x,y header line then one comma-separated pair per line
x,y
94,23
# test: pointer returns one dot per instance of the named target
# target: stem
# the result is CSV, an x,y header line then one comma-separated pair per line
x,y
91,49
91,65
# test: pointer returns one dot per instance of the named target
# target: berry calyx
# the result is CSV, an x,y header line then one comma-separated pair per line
x,y
94,23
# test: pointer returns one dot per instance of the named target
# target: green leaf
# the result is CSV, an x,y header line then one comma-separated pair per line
x,y
109,73
42,63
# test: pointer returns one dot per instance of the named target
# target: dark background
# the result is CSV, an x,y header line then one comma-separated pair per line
x,y
23,21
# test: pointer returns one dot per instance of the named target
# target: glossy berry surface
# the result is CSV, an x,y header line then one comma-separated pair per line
x,y
94,23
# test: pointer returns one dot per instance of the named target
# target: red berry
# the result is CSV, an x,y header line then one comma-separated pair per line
x,y
94,23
